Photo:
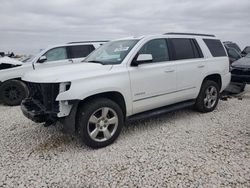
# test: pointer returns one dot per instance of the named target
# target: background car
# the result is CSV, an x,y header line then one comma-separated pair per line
x,y
233,51
245,51
230,44
240,70
13,90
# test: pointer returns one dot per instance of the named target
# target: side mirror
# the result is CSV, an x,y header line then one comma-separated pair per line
x,y
143,58
42,59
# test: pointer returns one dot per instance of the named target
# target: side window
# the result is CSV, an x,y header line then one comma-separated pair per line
x,y
79,51
184,48
157,48
215,47
56,54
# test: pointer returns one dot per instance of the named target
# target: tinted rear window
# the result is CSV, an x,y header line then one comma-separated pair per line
x,y
185,48
79,51
216,48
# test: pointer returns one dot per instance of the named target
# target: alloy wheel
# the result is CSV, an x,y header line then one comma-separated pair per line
x,y
102,124
211,96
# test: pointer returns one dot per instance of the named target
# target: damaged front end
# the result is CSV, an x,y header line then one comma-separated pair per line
x,y
4,66
240,75
41,105
8,63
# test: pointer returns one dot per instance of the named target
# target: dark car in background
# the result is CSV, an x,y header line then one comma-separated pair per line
x,y
233,51
245,51
240,70
230,44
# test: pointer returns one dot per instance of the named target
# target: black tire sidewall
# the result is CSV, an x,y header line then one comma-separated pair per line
x,y
21,87
84,113
200,105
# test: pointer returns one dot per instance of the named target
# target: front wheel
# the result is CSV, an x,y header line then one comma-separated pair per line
x,y
208,97
12,92
100,122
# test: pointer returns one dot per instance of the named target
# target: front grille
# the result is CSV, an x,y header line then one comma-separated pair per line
x,y
241,71
45,95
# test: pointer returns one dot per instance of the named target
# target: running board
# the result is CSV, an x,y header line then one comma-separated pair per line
x,y
161,110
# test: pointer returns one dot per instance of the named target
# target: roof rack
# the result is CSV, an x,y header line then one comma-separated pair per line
x,y
88,41
193,34
227,42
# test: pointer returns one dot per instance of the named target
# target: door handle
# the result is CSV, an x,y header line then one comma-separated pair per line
x,y
168,71
201,66
70,60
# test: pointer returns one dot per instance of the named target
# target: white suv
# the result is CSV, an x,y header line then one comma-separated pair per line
x,y
13,90
128,79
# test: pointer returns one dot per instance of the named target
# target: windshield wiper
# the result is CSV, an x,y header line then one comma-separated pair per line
x,y
94,61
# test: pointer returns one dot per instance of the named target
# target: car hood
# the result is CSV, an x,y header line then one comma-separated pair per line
x,y
242,63
10,61
66,73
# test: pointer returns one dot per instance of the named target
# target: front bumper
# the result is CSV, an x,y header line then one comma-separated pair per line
x,y
241,78
33,110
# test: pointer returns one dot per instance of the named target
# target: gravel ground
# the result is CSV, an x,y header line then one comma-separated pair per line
x,y
184,149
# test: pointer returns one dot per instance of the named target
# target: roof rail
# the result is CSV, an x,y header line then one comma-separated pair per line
x,y
88,41
227,42
193,34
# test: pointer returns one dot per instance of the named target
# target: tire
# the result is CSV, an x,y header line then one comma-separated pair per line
x,y
243,86
208,97
12,92
93,122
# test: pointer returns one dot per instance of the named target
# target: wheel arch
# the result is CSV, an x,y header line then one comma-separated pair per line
x,y
69,122
214,77
112,95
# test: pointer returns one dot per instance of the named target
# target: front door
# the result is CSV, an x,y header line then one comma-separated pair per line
x,y
55,57
151,83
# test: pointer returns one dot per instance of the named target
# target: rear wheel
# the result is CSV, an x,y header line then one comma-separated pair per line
x,y
100,122
208,97
13,92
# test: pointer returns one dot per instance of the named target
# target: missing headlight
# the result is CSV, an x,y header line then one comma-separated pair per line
x,y
64,86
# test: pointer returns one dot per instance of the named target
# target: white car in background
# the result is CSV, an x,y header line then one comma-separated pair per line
x,y
13,90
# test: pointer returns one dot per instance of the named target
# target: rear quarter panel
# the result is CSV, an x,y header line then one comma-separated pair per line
x,y
215,65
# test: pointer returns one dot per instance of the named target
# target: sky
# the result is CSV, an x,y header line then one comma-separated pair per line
x,y
27,26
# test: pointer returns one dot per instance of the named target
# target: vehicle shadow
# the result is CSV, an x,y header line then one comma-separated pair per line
x,y
146,124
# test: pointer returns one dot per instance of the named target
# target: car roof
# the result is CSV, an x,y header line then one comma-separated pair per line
x,y
172,34
87,42
76,44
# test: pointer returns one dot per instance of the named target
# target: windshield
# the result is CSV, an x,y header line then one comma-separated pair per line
x,y
235,46
112,52
248,55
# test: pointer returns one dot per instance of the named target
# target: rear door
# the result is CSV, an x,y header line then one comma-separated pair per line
x,y
190,66
77,53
